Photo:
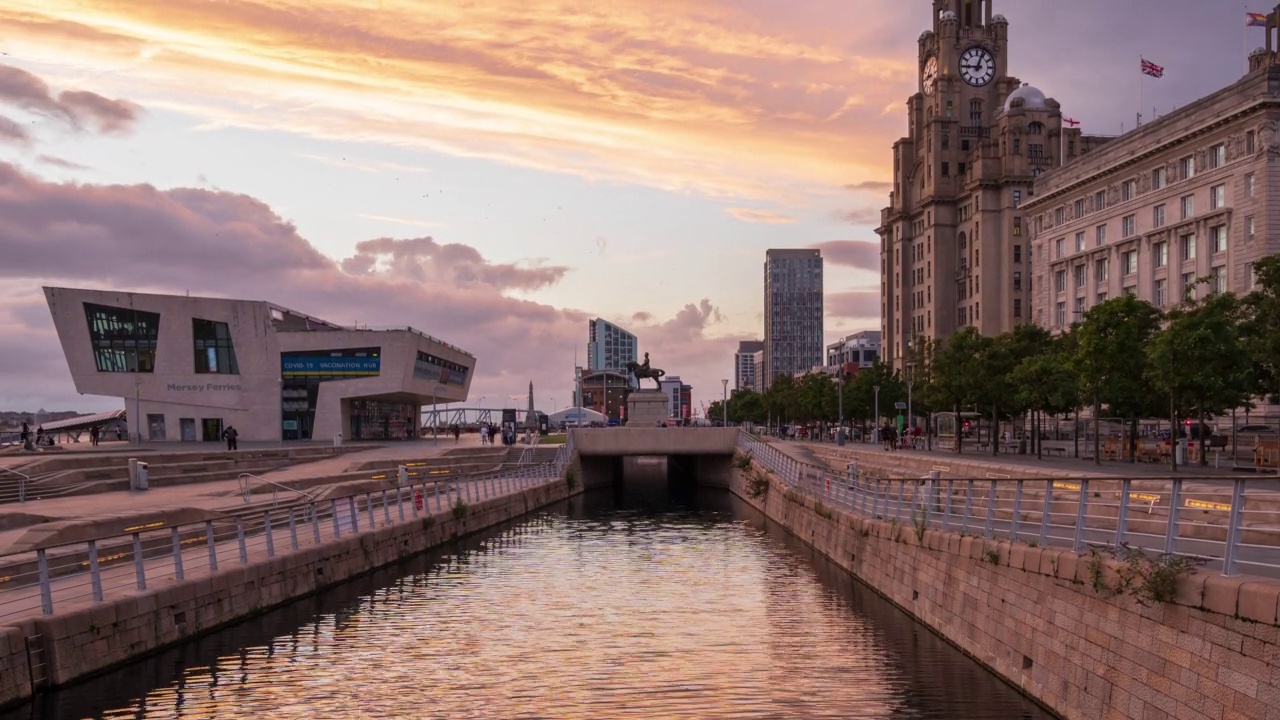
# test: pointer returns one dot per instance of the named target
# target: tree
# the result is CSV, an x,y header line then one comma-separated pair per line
x,y
1260,328
747,406
1046,382
1023,343
1112,361
860,393
956,373
781,398
1200,361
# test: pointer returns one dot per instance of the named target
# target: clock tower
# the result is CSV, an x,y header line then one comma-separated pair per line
x,y
954,247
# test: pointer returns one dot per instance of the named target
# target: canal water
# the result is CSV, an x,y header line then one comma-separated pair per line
x,y
635,603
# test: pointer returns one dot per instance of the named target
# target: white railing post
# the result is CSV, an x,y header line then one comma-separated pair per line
x,y
1175,508
212,545
1016,520
1122,514
991,511
46,588
139,566
267,532
1233,528
1081,515
244,549
177,554
95,571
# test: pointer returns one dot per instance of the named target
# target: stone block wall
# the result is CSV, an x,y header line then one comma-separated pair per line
x,y
1050,622
83,640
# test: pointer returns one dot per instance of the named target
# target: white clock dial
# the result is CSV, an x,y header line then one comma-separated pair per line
x,y
977,66
929,78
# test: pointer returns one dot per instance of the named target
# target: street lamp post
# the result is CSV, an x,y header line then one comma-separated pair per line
x,y
435,414
725,409
840,404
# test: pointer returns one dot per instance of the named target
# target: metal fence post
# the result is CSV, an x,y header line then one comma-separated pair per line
x,y
902,488
213,545
293,530
355,515
314,509
1016,520
368,506
177,555
1233,528
437,489
139,566
46,589
266,531
1044,513
244,549
991,511
1081,515
968,506
1175,507
386,508
1122,515
946,506
95,571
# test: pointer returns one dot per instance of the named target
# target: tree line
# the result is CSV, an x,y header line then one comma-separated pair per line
x,y
1202,357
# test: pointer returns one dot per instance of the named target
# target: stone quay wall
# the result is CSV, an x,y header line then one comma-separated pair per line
x,y
85,640
1051,623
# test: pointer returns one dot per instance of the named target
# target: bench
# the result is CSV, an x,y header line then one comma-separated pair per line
x,y
1059,450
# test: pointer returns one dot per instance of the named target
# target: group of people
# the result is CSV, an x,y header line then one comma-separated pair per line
x,y
894,438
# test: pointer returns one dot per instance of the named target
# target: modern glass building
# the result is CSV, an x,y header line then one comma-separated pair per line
x,y
793,341
744,364
189,367
609,347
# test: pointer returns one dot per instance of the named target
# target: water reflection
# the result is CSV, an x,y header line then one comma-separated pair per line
x,y
638,604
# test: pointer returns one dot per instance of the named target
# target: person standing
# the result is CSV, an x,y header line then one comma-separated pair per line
x,y
230,435
25,434
484,434
457,432
93,436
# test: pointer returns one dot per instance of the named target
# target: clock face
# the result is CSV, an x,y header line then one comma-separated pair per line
x,y
977,67
929,77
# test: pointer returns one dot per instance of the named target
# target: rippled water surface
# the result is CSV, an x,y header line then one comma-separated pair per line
x,y
609,607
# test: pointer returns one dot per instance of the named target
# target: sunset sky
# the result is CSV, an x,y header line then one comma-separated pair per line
x,y
495,173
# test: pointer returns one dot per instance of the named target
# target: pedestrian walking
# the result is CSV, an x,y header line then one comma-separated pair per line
x,y
484,434
457,433
230,435
93,436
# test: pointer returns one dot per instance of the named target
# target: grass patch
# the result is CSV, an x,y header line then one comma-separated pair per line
x,y
823,510
554,439
991,555
571,478
460,509
757,485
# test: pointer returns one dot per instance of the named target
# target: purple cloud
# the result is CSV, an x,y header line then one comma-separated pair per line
x,y
77,108
853,253
853,304
13,133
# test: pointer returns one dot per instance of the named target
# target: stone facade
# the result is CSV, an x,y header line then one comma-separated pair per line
x,y
1188,196
1032,615
955,245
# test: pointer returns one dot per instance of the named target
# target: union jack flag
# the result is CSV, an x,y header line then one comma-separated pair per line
x,y
1152,69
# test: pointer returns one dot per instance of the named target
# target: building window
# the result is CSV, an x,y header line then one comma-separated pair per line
x,y
1035,128
1017,307
1035,150
1157,178
1100,271
964,144
1188,206
1060,314
1059,216
1080,308
123,339
1217,156
1130,261
1071,147
1017,147
1100,235
1058,249
1219,273
1101,298
1079,208
1157,217
1129,190
1249,143
946,169
1080,241
1159,292
1187,168
1188,286
1128,225
1248,185
975,113
946,141
1017,226
1060,281
1253,275
1081,276
1017,253
1248,229
1188,247
1219,235
1100,201
214,353
1217,197
1160,253
1017,280
1017,196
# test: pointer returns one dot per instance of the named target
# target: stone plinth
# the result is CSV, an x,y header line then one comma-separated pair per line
x,y
647,408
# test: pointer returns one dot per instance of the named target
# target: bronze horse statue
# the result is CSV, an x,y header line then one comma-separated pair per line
x,y
642,370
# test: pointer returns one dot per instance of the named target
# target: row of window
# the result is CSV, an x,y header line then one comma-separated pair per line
x,y
1129,223
124,340
1186,169
1187,246
1216,282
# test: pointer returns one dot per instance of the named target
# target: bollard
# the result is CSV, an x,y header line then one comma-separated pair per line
x,y
177,555
46,590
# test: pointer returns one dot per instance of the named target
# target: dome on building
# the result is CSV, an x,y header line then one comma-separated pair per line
x,y
926,34
999,20
947,15
1258,51
1027,98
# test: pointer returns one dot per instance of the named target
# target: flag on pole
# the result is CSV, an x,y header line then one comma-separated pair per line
x,y
1152,69
1255,19
1068,121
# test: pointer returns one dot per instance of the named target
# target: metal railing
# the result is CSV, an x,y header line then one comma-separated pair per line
x,y
12,491
1224,523
246,489
55,576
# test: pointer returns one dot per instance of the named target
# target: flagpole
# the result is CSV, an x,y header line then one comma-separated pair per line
x,y
1244,36
1140,105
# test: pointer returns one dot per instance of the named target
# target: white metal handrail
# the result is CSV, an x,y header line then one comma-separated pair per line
x,y
246,488
23,479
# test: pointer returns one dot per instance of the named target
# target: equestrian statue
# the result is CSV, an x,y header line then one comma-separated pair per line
x,y
642,370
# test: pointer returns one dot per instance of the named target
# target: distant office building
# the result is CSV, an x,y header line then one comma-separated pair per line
x,y
679,397
860,350
744,364
757,362
609,347
792,312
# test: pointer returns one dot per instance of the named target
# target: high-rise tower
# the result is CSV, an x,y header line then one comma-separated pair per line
x,y
792,313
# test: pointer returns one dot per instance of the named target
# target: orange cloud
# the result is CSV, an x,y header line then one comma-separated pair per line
x,y
679,95
760,216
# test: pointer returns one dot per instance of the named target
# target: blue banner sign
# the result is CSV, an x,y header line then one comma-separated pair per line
x,y
350,366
